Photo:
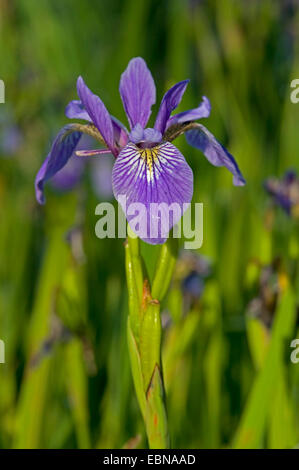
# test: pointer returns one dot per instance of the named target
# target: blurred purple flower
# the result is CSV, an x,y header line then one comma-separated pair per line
x,y
272,282
191,271
10,135
148,167
285,192
71,174
67,178
101,169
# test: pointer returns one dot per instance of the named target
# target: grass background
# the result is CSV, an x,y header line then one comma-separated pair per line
x,y
66,382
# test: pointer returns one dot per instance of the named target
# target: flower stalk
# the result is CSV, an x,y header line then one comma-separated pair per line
x,y
144,337
148,169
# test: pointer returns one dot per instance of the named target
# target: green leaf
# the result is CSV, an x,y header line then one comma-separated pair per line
x,y
251,431
164,269
156,418
136,368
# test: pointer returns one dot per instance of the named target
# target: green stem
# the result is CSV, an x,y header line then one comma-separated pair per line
x,y
134,305
144,338
133,243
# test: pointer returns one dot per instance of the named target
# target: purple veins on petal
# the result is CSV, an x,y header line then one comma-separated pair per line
x,y
217,155
62,149
147,169
138,92
170,101
157,175
202,111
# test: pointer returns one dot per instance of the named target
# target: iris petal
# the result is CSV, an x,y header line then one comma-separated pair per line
x,y
202,111
121,135
153,175
62,149
136,134
98,113
75,110
138,92
203,140
170,101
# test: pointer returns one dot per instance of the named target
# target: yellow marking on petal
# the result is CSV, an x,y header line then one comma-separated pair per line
x,y
149,155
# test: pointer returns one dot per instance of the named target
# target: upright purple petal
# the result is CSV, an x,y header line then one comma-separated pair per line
x,y
76,110
98,113
62,149
138,92
159,175
202,111
203,140
170,101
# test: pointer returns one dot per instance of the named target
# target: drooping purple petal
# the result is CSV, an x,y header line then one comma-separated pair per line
x,y
151,177
170,101
62,149
202,111
138,92
70,175
203,140
98,113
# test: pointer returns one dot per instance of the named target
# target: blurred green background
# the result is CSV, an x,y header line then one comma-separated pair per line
x,y
66,382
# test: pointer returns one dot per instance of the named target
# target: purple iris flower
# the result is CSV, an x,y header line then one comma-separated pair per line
x,y
148,168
